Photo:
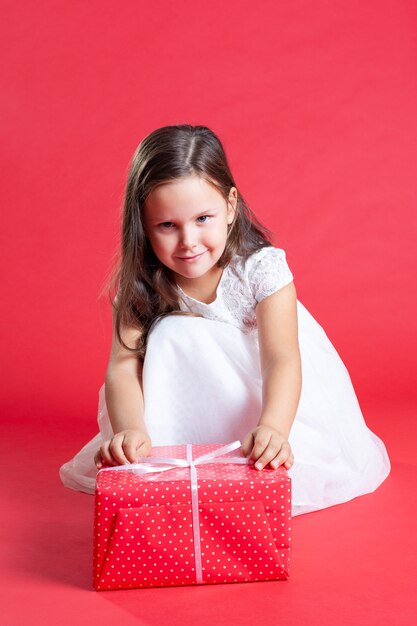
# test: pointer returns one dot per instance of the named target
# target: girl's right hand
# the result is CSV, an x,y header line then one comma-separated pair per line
x,y
124,447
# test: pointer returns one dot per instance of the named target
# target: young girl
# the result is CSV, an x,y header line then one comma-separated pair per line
x,y
210,343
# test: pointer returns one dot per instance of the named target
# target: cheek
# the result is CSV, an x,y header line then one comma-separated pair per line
x,y
217,231
220,235
162,244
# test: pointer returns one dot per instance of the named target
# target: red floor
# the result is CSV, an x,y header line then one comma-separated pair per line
x,y
351,564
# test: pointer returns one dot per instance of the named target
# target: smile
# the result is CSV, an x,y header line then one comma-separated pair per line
x,y
191,259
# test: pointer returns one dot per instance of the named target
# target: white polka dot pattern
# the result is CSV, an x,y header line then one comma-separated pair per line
x,y
143,525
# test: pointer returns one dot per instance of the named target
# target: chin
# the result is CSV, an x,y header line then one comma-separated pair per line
x,y
192,273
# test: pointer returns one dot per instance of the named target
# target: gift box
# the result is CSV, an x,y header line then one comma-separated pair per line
x,y
188,515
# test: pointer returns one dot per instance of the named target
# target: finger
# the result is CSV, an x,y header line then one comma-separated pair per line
x,y
290,461
129,445
116,450
104,454
247,444
261,444
268,455
134,446
283,456
144,449
97,459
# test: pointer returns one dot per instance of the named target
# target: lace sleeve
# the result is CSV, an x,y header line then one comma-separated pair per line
x,y
268,272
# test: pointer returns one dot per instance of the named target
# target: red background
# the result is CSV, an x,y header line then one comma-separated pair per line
x,y
315,103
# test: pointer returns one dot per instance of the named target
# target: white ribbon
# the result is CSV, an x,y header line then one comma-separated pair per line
x,y
153,463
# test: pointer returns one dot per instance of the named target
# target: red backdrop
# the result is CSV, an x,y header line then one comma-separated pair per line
x,y
315,103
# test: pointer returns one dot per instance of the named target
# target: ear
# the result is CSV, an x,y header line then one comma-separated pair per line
x,y
232,205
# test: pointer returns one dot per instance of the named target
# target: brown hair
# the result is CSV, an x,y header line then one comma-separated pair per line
x,y
145,290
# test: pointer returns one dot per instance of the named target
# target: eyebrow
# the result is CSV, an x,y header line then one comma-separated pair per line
x,y
160,219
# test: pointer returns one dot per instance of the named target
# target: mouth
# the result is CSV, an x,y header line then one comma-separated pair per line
x,y
189,259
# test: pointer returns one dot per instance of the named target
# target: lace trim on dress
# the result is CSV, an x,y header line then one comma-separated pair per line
x,y
241,287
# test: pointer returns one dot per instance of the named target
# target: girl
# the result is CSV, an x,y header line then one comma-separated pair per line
x,y
210,343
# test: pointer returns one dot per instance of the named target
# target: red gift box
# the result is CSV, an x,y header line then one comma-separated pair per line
x,y
179,518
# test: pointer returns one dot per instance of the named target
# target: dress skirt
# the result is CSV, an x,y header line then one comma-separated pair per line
x,y
202,384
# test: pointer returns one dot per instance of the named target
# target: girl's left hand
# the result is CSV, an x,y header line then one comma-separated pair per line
x,y
267,445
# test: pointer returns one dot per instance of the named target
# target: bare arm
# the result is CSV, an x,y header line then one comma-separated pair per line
x,y
280,359
125,405
123,385
280,363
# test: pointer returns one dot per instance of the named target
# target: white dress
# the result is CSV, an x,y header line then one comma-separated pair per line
x,y
202,384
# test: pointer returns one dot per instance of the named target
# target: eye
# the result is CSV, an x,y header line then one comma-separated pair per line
x,y
165,225
204,218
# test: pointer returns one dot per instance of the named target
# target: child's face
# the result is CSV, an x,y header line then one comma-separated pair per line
x,y
186,223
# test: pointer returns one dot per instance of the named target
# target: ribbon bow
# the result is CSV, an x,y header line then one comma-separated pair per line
x,y
153,463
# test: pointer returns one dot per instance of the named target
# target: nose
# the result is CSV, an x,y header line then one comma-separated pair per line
x,y
188,238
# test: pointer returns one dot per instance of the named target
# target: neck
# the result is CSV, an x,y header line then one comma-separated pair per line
x,y
203,288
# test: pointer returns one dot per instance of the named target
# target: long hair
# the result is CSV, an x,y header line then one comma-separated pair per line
x,y
145,290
